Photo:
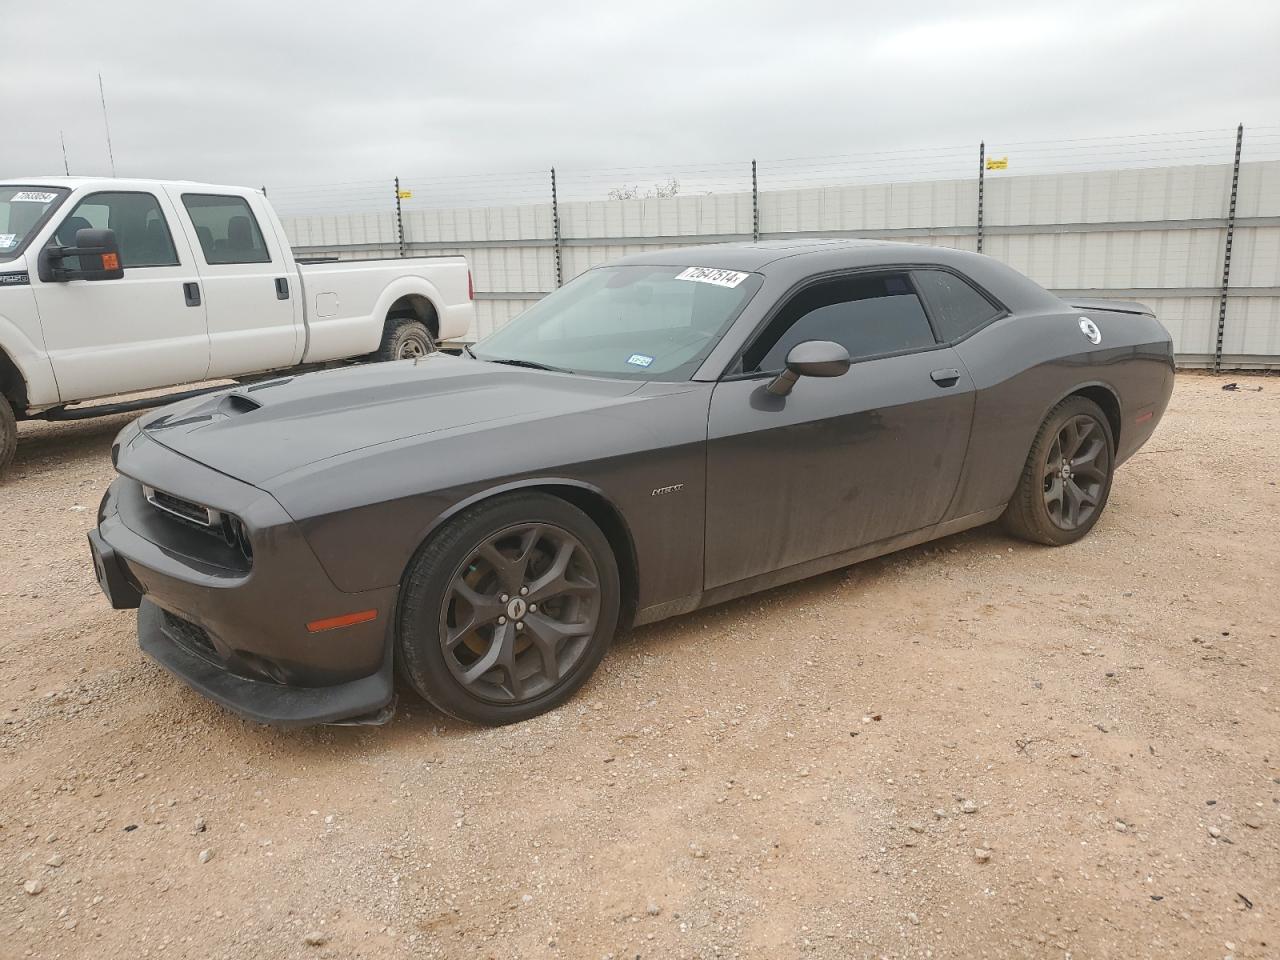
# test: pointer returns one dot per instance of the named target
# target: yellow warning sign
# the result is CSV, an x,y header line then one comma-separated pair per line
x,y
405,195
997,163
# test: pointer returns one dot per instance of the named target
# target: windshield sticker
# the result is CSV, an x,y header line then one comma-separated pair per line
x,y
8,240
639,360
721,278
30,196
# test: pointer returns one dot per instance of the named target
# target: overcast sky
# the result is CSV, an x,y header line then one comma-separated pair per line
x,y
296,96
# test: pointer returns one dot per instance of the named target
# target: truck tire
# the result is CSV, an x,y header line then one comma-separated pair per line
x,y
405,339
8,434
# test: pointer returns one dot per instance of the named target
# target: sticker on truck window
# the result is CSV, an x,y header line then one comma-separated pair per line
x,y
8,240
30,196
639,360
721,278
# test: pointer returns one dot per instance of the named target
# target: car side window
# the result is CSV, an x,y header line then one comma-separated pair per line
x,y
958,309
139,224
226,228
870,315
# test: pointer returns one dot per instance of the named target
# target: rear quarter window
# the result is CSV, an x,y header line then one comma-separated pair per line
x,y
957,307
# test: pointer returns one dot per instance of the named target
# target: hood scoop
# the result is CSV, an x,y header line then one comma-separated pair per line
x,y
215,408
259,433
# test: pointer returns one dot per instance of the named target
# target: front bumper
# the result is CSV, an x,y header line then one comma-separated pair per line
x,y
237,631
266,702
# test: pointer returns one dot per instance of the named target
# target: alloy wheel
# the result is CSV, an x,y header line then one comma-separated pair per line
x,y
1075,472
519,613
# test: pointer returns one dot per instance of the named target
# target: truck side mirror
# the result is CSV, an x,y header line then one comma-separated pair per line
x,y
98,253
813,358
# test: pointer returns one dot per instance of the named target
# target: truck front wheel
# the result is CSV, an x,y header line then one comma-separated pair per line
x,y
8,434
405,339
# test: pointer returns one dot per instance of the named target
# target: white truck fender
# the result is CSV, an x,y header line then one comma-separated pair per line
x,y
31,363
407,287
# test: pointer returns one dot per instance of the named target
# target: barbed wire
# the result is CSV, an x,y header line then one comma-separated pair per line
x,y
1114,152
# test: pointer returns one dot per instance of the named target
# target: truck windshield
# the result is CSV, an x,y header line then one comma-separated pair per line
x,y
638,322
22,211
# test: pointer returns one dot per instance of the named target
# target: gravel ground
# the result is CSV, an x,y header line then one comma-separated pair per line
x,y
975,748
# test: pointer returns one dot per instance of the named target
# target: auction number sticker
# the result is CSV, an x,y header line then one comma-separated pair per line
x,y
30,196
721,278
8,240
639,360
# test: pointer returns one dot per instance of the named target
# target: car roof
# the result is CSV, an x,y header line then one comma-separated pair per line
x,y
754,255
792,260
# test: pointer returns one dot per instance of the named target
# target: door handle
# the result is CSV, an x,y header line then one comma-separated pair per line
x,y
282,288
945,378
191,291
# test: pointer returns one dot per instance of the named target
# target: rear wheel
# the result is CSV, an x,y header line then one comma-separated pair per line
x,y
508,609
405,339
8,434
1067,477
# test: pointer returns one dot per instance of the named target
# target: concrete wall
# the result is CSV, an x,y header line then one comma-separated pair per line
x,y
1152,234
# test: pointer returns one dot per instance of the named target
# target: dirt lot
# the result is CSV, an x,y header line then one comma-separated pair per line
x,y
975,748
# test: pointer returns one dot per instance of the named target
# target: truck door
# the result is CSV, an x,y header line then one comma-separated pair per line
x,y
146,329
251,294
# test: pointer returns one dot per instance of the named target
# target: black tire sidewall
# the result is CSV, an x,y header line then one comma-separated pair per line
x,y
1042,524
8,434
419,654
403,331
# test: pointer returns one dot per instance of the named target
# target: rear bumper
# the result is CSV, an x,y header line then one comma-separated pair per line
x,y
238,633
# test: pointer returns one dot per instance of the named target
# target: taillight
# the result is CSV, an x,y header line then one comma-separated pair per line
x,y
471,290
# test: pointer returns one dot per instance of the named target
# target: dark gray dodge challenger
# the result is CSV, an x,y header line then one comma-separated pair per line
x,y
666,432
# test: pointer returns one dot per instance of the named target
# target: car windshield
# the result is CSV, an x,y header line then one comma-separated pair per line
x,y
638,322
22,211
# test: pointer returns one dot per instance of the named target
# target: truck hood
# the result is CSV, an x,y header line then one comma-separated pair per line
x,y
258,432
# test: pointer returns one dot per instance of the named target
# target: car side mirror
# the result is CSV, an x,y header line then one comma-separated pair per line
x,y
98,253
813,358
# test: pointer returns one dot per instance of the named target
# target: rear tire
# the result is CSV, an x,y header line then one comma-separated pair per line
x,y
8,434
508,609
405,339
1067,477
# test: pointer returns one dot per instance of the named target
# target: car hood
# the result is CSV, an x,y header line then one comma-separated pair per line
x,y
258,432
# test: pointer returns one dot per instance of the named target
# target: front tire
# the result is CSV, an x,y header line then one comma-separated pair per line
x,y
508,609
405,339
1067,477
8,434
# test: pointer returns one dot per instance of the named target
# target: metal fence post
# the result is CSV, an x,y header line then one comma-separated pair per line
x,y
555,224
982,173
755,204
1226,255
399,219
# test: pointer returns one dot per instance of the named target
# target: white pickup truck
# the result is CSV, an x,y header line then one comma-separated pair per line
x,y
110,287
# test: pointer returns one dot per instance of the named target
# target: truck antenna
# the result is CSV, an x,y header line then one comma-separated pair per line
x,y
66,167
102,94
